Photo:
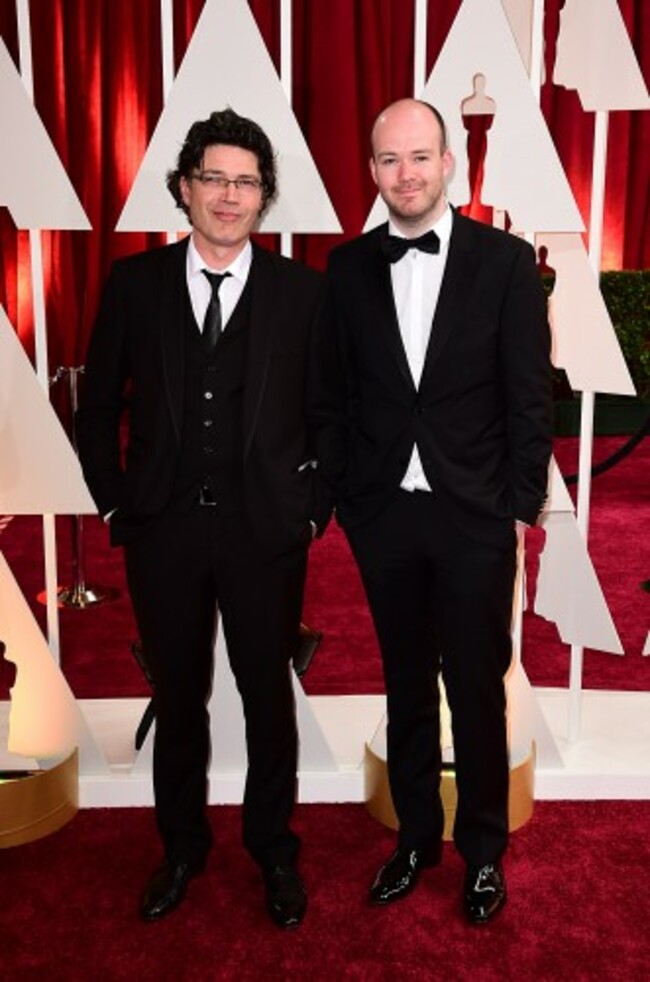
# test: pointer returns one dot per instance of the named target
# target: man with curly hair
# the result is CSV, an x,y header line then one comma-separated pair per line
x,y
213,346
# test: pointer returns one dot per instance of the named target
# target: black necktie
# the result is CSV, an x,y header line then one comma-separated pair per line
x,y
212,325
395,247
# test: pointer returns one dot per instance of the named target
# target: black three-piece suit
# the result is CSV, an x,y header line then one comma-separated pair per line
x,y
214,493
438,566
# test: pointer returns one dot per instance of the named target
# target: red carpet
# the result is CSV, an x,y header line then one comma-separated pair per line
x,y
96,642
577,872
578,908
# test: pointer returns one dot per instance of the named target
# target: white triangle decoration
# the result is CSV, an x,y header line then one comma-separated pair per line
x,y
40,472
568,591
523,173
227,64
520,19
228,728
526,722
595,56
558,498
580,321
33,182
45,721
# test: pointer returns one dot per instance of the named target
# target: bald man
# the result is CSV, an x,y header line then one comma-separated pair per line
x,y
442,333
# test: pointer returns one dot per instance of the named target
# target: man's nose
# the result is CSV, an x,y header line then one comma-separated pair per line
x,y
404,171
230,192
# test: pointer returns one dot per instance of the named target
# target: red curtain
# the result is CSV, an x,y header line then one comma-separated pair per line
x,y
98,90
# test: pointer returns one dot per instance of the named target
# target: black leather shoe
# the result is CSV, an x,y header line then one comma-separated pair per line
x,y
485,892
166,889
398,876
286,897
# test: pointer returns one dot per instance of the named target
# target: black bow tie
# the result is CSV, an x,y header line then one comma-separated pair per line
x,y
395,247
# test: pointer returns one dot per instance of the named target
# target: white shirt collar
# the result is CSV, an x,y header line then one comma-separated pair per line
x,y
442,228
239,267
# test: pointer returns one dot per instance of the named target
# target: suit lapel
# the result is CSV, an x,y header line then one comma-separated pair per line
x,y
172,305
459,271
380,296
265,309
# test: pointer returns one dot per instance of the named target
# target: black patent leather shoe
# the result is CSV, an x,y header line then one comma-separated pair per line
x,y
286,897
166,890
398,876
485,892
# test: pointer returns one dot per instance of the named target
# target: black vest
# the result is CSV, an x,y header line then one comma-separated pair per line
x,y
212,449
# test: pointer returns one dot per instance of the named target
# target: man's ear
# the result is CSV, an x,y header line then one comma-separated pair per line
x,y
373,169
448,162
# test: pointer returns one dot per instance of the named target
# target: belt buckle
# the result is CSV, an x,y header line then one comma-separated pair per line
x,y
206,497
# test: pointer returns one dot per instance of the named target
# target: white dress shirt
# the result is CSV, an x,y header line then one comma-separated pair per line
x,y
231,289
416,280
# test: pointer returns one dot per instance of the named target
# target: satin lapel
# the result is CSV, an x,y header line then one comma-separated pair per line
x,y
172,304
459,272
265,306
381,303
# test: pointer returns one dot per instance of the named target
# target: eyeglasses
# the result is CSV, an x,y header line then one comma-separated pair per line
x,y
218,181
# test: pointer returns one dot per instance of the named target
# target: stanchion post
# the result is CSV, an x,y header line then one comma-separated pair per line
x,y
79,594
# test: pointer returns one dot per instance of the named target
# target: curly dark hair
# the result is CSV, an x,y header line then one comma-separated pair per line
x,y
225,127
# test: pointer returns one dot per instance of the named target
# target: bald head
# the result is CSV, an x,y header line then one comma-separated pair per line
x,y
406,113
410,164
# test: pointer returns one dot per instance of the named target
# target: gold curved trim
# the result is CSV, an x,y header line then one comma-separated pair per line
x,y
38,804
380,803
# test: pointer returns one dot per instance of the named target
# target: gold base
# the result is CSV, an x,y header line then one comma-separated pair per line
x,y
37,804
80,596
379,801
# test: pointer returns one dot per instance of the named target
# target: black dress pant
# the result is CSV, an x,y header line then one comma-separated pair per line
x,y
178,573
442,602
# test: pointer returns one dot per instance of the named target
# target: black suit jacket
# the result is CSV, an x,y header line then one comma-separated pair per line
x,y
482,415
136,356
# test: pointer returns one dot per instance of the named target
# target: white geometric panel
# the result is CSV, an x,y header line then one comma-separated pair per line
x,y
228,729
40,472
520,18
45,721
584,341
227,64
33,183
568,592
595,56
646,647
523,173
558,498
526,722
228,732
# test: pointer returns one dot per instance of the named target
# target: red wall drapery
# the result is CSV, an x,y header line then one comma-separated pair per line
x,y
98,89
